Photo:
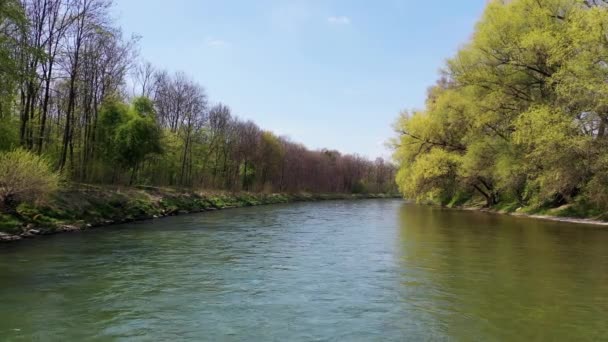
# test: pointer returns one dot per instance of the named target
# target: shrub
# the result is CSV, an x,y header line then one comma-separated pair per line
x,y
24,177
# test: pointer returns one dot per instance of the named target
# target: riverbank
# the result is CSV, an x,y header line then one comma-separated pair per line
x,y
80,207
559,214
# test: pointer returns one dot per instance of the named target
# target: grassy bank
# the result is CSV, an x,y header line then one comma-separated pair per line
x,y
576,212
80,207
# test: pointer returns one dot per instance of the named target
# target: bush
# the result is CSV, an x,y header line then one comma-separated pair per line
x,y
24,177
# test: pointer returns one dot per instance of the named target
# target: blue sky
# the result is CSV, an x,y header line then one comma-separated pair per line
x,y
332,73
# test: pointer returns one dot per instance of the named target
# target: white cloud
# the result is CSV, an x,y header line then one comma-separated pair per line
x,y
338,20
214,42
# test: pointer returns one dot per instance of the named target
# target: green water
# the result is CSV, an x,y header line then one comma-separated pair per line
x,y
373,270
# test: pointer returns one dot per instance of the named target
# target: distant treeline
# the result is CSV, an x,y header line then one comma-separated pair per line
x,y
519,116
64,72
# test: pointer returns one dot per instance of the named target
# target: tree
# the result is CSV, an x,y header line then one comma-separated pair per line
x,y
130,134
519,114
137,139
12,25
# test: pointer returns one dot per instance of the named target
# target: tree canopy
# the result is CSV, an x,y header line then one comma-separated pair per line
x,y
519,114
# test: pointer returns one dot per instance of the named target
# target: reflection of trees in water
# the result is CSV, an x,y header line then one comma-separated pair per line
x,y
490,275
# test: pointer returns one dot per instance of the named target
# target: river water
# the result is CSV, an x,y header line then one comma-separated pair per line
x,y
370,270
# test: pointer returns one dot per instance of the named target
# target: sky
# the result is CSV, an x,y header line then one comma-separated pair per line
x,y
326,73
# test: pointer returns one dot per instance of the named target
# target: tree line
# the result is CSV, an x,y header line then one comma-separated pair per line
x,y
519,115
74,91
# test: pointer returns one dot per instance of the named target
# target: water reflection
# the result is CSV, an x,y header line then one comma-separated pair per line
x,y
506,278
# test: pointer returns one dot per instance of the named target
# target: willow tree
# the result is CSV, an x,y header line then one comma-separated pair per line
x,y
520,112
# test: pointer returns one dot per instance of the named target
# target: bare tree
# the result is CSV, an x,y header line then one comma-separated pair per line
x,y
144,78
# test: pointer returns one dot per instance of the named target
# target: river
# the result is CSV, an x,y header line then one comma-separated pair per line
x,y
366,270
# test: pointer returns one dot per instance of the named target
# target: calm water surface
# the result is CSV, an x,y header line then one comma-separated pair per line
x,y
330,271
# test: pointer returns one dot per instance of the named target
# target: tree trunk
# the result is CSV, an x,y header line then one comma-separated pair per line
x,y
9,204
245,176
184,156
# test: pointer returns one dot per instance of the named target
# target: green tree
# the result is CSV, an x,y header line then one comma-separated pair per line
x,y
137,139
271,155
129,134
12,24
520,113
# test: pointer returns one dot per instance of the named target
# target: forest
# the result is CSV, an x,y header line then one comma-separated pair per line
x,y
78,101
519,116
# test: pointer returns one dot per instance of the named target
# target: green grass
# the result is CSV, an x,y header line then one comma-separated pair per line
x,y
578,209
9,224
507,206
81,205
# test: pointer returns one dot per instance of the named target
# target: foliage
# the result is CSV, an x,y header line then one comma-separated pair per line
x,y
113,114
24,176
12,21
136,139
9,139
519,114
